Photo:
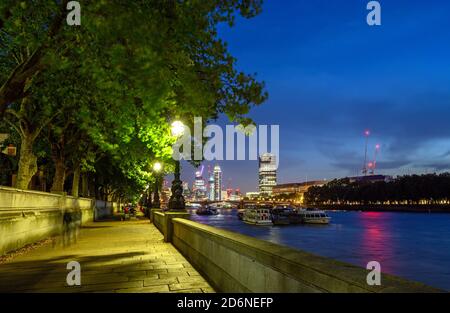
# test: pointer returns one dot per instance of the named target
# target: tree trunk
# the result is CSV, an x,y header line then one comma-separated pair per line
x,y
76,181
92,187
60,176
27,163
84,185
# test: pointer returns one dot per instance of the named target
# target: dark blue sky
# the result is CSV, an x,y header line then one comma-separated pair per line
x,y
330,76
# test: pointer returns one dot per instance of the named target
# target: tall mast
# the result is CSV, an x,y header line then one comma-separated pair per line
x,y
366,134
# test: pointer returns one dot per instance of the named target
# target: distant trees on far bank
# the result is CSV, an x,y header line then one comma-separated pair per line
x,y
403,190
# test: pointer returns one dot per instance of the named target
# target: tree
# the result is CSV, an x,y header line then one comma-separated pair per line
x,y
29,121
431,188
27,33
116,82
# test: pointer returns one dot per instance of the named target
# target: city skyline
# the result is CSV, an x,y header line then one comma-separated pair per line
x,y
208,185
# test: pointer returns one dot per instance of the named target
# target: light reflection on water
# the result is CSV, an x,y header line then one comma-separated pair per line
x,y
410,245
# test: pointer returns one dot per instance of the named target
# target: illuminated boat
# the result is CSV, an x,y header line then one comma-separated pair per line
x,y
314,217
257,216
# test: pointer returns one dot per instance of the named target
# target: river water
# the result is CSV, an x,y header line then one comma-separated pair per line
x,y
415,246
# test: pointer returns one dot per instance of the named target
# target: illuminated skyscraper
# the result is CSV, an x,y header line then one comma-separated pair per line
x,y
186,190
267,173
217,183
211,188
199,186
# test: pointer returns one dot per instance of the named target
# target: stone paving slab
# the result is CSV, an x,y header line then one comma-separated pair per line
x,y
120,256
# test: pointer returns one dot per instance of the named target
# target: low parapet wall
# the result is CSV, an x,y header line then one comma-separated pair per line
x,y
232,262
163,221
29,216
158,220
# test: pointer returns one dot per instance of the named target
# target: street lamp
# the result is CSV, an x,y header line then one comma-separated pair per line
x,y
176,201
147,200
177,129
156,168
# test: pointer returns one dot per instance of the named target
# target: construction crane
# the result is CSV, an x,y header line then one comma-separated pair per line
x,y
374,163
366,134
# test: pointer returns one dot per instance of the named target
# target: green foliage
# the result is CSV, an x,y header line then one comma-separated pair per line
x,y
113,85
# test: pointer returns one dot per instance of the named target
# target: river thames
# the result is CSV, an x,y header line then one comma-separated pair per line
x,y
410,245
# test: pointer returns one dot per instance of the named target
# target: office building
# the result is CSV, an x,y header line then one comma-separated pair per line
x,y
267,173
199,190
211,188
217,183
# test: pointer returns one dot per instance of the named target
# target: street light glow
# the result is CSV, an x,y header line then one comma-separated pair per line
x,y
157,167
177,128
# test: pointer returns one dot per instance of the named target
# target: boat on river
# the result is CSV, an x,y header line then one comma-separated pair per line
x,y
309,216
207,210
285,216
257,216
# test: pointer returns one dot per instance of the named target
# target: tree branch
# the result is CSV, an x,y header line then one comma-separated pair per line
x,y
13,88
20,120
14,126
13,113
38,130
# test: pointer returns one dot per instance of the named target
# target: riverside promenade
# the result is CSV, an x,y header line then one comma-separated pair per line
x,y
115,256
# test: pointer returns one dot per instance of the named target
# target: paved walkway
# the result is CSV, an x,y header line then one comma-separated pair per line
x,y
114,257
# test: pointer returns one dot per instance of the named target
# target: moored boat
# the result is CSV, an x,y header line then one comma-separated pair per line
x,y
280,216
314,216
208,210
257,216
285,216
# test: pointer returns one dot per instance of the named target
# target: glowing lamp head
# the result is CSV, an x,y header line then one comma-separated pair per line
x,y
377,147
367,132
157,167
177,129
370,165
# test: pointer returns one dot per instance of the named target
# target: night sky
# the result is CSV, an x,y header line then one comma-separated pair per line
x,y
330,76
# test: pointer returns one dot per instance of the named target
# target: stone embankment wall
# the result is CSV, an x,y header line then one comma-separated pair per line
x,y
29,216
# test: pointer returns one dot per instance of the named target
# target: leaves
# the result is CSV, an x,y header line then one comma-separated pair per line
x,y
119,79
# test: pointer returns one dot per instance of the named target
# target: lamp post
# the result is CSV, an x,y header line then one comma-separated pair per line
x,y
148,201
156,168
176,201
